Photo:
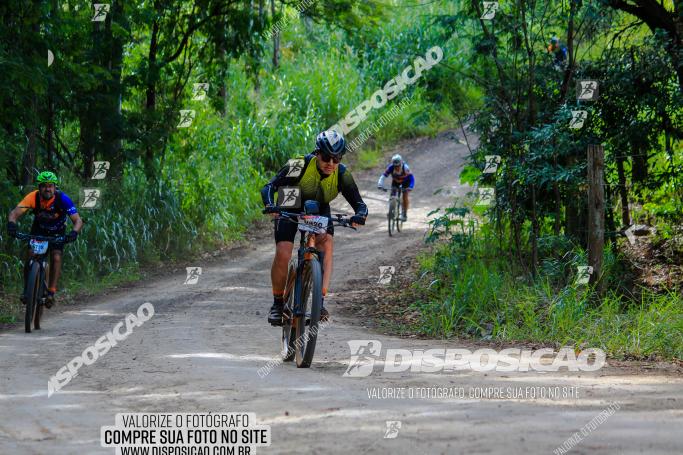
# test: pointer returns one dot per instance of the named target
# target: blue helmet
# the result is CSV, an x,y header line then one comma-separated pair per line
x,y
331,143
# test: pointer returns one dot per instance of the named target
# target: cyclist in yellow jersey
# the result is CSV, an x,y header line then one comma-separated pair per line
x,y
319,176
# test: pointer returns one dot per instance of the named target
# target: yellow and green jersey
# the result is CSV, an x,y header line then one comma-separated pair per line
x,y
302,173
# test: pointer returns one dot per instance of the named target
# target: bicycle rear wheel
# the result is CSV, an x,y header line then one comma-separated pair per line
x,y
31,288
311,296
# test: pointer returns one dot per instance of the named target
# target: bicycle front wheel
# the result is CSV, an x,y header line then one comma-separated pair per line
x,y
307,323
31,288
391,217
288,330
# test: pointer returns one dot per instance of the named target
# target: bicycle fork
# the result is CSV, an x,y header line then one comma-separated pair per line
x,y
304,254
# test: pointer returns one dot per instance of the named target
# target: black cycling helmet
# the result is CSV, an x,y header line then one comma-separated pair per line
x,y
331,143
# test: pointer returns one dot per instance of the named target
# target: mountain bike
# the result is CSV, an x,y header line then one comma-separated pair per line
x,y
394,213
35,284
304,289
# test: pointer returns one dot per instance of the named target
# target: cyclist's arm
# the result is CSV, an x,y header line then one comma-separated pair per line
x,y
270,188
22,207
352,195
411,181
77,221
70,209
16,213
383,176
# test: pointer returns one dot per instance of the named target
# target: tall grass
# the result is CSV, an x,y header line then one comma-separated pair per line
x,y
476,291
207,191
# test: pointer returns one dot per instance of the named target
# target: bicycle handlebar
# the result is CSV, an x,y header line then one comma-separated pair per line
x,y
339,218
42,238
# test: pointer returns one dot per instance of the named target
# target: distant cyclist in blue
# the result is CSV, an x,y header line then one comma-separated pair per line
x,y
400,176
559,50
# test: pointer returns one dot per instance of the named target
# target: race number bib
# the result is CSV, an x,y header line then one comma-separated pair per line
x,y
38,247
313,223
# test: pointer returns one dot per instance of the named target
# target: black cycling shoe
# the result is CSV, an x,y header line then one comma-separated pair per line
x,y
49,300
22,299
275,316
324,314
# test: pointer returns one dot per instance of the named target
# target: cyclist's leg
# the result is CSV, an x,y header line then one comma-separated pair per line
x,y
278,271
284,242
394,187
55,273
407,188
406,199
325,243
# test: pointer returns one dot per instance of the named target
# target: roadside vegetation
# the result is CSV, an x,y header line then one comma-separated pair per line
x,y
115,90
508,269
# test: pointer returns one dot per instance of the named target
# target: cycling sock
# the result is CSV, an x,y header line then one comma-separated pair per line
x,y
52,290
278,297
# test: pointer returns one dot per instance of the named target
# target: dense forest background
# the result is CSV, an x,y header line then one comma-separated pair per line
x,y
83,85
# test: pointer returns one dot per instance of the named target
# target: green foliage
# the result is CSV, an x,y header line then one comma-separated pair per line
x,y
469,289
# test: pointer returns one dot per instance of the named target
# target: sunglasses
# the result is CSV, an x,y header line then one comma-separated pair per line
x,y
327,158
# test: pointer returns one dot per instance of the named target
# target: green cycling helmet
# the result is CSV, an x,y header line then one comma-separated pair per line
x,y
47,177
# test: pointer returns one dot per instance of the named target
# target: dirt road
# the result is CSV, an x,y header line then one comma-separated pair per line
x,y
202,350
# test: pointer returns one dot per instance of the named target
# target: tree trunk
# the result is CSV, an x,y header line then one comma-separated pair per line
x,y
276,38
111,125
151,95
596,213
49,133
29,161
534,232
623,192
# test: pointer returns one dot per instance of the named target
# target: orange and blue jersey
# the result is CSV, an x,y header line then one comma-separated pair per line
x,y
50,215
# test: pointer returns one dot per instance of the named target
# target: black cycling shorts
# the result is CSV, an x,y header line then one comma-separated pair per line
x,y
285,230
